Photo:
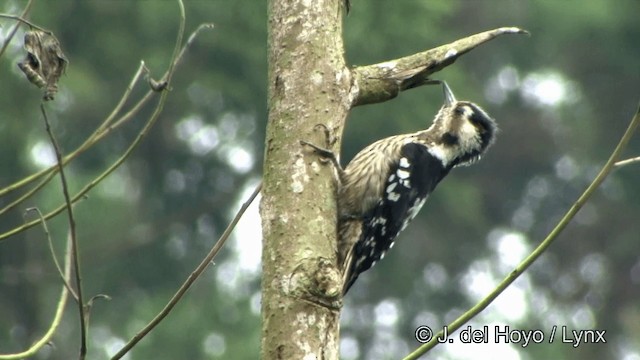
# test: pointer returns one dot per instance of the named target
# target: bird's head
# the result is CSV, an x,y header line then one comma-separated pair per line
x,y
461,131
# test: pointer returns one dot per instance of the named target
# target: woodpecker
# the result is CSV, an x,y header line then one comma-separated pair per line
x,y
386,184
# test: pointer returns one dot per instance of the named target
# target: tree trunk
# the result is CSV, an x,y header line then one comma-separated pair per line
x,y
308,85
311,89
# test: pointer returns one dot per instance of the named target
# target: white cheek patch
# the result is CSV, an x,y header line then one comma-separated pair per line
x,y
468,138
468,131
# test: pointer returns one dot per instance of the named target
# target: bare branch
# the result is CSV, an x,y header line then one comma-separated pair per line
x,y
53,251
524,265
72,230
626,162
13,31
384,81
22,20
191,279
99,134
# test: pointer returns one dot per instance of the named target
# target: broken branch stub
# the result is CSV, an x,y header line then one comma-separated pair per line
x,y
44,62
384,81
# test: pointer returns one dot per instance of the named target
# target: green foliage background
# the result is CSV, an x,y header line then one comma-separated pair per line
x,y
145,228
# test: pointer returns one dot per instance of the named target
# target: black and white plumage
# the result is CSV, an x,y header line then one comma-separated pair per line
x,y
385,185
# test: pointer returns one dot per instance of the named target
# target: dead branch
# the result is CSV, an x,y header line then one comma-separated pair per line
x,y
384,81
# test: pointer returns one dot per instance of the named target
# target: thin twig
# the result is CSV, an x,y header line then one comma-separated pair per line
x,y
123,99
20,19
72,230
13,31
57,318
520,269
167,78
97,135
626,162
53,251
192,38
103,130
51,171
28,194
191,279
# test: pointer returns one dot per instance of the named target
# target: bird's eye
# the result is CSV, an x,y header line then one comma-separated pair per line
x,y
459,110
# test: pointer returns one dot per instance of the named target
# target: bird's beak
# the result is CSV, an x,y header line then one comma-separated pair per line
x,y
449,98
